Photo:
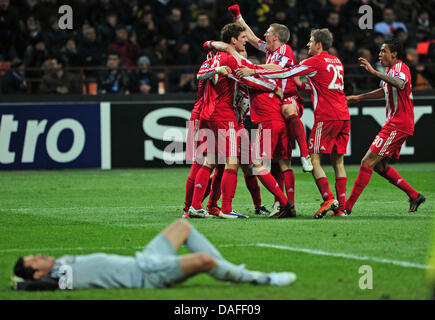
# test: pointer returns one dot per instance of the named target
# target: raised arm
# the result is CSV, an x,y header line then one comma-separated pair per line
x,y
237,17
395,82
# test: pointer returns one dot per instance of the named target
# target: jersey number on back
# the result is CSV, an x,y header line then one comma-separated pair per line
x,y
337,76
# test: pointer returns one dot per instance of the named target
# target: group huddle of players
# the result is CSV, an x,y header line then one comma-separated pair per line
x,y
230,85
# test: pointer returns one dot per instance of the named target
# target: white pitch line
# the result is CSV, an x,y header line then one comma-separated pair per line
x,y
405,264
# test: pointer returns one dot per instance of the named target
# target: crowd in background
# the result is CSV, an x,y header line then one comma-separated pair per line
x,y
121,43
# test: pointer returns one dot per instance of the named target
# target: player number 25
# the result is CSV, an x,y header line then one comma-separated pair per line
x,y
337,76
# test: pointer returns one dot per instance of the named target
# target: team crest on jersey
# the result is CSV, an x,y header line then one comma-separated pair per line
x,y
278,58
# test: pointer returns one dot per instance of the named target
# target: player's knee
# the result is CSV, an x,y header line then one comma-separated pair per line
x,y
205,262
182,224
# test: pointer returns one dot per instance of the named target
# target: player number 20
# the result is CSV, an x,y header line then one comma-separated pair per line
x,y
378,142
337,69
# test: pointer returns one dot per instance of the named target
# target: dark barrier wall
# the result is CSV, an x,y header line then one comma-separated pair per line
x,y
138,131
134,132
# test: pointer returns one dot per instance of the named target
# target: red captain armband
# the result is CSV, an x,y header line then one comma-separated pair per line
x,y
235,12
207,45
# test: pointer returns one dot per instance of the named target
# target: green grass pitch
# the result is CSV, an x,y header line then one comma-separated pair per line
x,y
119,211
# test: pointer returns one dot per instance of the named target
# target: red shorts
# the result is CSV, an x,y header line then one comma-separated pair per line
x,y
388,143
329,137
220,137
271,140
297,101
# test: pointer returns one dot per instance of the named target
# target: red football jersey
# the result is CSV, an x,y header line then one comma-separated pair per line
x,y
284,57
220,94
264,105
399,102
197,107
324,73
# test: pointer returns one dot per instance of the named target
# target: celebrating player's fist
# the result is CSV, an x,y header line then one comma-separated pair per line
x,y
207,45
235,11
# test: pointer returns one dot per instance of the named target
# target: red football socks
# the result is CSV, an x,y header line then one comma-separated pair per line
x,y
229,184
364,175
340,189
323,186
276,173
270,183
215,189
201,181
394,178
190,183
289,178
297,130
254,190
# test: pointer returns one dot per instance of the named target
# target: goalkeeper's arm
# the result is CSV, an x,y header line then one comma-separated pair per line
x,y
237,16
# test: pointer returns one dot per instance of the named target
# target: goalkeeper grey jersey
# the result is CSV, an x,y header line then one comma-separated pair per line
x,y
99,270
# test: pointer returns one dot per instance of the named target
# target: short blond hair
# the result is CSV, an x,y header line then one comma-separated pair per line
x,y
281,31
324,36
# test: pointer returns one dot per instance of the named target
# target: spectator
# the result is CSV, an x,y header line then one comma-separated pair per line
x,y
389,24
402,35
31,30
53,36
35,55
59,81
423,19
113,80
14,82
348,54
365,82
406,11
202,32
44,9
334,25
106,30
9,18
303,31
129,50
144,81
101,9
173,27
302,55
146,30
91,50
159,53
318,10
70,54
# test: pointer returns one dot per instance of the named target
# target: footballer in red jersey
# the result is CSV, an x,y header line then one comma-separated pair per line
x,y
280,55
330,133
396,87
219,117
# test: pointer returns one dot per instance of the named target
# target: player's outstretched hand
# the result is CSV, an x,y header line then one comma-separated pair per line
x,y
244,71
223,70
352,99
235,11
366,65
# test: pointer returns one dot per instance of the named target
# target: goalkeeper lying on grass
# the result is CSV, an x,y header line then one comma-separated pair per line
x,y
157,266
